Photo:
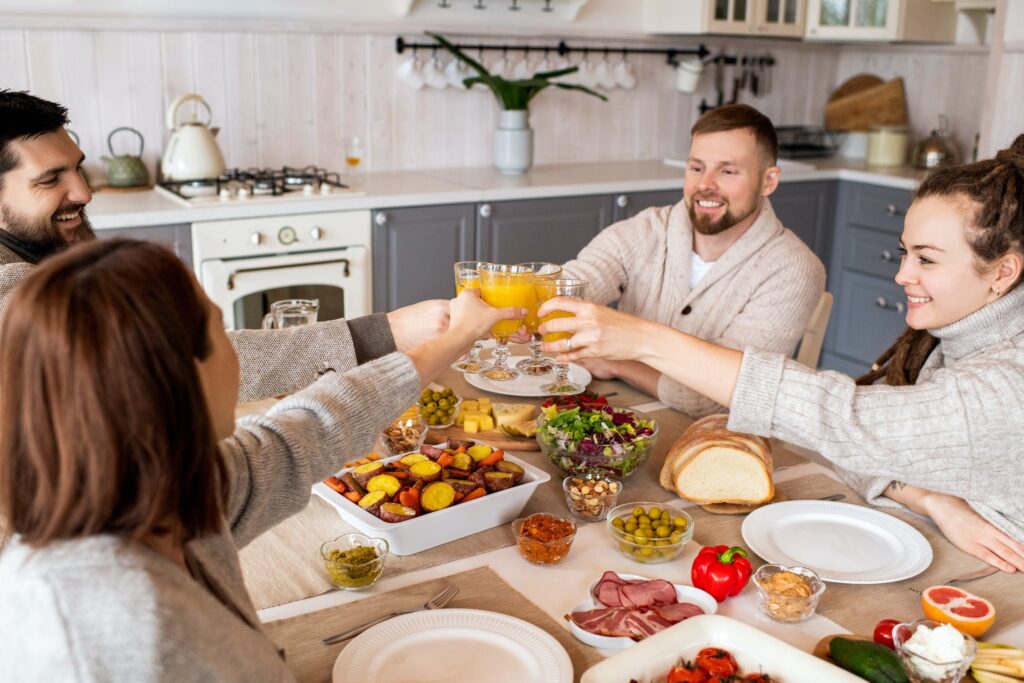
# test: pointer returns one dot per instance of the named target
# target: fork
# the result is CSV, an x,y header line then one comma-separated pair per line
x,y
436,602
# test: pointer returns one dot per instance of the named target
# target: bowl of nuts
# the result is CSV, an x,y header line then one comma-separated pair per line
x,y
590,495
649,532
404,435
788,594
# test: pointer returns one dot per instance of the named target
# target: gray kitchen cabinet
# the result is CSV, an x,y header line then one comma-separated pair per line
x,y
414,249
629,204
870,308
808,209
540,229
177,238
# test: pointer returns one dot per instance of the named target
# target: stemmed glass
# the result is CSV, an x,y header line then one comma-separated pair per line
x,y
537,364
549,289
505,286
468,277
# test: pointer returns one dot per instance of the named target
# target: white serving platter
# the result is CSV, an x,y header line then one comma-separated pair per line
x,y
527,385
438,528
755,651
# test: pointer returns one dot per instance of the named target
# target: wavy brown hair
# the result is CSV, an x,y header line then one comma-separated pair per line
x,y
105,427
994,194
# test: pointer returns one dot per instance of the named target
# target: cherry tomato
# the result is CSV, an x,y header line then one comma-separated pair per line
x,y
883,632
716,662
687,673
758,678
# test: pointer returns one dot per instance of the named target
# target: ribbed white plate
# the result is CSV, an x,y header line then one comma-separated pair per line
x,y
439,646
843,543
527,385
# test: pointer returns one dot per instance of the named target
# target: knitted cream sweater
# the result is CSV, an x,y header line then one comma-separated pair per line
x,y
761,292
958,430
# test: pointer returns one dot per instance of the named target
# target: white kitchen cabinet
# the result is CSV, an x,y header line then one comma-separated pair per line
x,y
881,20
730,17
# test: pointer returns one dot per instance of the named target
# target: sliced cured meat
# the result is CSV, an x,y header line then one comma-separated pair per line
x,y
614,591
633,622
678,611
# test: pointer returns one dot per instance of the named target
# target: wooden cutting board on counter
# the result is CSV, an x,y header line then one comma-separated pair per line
x,y
491,436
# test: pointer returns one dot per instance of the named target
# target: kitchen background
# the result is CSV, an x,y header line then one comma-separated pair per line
x,y
291,97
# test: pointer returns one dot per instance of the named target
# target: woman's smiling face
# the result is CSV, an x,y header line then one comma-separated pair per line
x,y
943,278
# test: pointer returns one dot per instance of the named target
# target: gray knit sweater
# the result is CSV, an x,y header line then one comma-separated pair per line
x,y
272,362
958,430
761,292
103,610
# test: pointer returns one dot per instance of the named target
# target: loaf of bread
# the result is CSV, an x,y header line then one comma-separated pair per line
x,y
710,464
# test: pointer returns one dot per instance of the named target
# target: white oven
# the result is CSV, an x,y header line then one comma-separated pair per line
x,y
246,265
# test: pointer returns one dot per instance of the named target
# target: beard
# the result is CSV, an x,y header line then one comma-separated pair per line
x,y
45,236
706,225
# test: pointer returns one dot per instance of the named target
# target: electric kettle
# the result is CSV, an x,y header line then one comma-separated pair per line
x,y
192,153
937,149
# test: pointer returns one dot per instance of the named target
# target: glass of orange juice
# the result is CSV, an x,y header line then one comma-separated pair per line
x,y
467,276
503,286
549,289
537,364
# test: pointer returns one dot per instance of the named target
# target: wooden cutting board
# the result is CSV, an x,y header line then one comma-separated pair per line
x,y
855,84
884,104
737,509
491,436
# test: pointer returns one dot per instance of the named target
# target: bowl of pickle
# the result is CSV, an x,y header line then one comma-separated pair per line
x,y
439,407
649,532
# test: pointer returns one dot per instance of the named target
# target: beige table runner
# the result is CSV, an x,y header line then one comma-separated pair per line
x,y
312,662
859,607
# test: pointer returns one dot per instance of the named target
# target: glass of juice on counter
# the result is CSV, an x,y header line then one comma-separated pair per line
x,y
353,152
537,364
549,289
467,276
503,286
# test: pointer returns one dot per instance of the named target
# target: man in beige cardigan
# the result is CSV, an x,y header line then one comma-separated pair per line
x,y
42,209
718,265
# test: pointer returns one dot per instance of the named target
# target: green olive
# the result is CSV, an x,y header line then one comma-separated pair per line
x,y
618,523
638,510
644,519
643,533
676,537
663,531
631,525
654,513
679,522
629,538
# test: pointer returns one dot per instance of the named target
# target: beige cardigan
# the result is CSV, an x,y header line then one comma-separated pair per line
x,y
761,292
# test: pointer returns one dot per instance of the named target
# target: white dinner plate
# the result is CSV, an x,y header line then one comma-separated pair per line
x,y
443,645
843,543
527,385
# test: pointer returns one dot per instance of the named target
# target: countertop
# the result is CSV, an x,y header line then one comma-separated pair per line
x,y
396,189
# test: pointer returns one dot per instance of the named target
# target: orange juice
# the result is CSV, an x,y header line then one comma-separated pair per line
x,y
466,281
352,161
555,336
506,291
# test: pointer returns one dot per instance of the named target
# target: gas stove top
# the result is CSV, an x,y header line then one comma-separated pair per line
x,y
258,185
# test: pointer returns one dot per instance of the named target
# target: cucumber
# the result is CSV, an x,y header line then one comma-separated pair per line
x,y
870,661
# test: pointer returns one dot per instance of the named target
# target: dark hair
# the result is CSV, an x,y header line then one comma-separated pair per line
x,y
994,194
736,116
25,116
105,424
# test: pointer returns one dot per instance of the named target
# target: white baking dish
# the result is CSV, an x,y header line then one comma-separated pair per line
x,y
438,528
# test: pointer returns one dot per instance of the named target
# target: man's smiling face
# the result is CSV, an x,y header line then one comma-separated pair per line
x,y
43,198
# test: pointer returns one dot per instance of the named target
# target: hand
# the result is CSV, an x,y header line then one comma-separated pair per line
x,y
598,331
970,532
601,368
470,315
521,336
415,324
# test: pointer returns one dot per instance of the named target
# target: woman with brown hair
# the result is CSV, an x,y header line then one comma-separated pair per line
x,y
129,485
938,424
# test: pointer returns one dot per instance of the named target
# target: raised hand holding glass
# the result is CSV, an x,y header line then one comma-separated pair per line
x,y
549,289
537,364
505,286
468,277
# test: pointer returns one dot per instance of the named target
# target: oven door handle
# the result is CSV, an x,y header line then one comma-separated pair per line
x,y
232,274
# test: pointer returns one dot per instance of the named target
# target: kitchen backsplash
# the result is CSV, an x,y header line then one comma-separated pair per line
x,y
292,98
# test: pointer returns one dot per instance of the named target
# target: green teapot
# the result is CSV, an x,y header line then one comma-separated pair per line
x,y
125,170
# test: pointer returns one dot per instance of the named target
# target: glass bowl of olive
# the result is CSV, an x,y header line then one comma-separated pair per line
x,y
439,407
354,561
649,532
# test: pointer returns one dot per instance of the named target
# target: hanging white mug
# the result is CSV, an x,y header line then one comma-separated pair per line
x,y
499,67
624,75
523,69
433,74
688,75
585,74
409,73
456,72
604,76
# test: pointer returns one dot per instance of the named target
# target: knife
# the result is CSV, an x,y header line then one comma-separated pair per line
x,y
979,574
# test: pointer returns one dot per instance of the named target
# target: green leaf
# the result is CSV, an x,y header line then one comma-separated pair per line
x,y
582,88
557,72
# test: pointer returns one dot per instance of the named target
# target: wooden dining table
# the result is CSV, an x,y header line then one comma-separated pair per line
x,y
553,591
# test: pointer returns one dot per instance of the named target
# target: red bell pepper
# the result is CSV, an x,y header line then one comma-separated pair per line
x,y
721,571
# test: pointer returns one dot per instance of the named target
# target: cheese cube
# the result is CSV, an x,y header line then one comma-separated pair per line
x,y
470,404
486,423
471,426
460,418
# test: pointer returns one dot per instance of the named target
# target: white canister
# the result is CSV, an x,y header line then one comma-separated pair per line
x,y
688,75
854,145
887,146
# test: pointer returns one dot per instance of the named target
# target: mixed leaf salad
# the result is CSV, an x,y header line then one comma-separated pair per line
x,y
595,436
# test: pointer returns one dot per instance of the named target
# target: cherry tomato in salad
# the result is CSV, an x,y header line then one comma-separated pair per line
x,y
716,662
758,678
686,672
883,633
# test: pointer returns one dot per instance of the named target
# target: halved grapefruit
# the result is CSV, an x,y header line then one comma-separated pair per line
x,y
966,612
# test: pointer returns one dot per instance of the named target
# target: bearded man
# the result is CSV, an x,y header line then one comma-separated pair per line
x,y
42,211
718,265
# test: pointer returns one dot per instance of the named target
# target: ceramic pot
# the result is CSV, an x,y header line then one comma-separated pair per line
x,y
513,143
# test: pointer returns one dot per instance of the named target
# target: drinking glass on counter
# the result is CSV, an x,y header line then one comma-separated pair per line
x,y
537,364
549,289
353,151
468,277
505,286
291,313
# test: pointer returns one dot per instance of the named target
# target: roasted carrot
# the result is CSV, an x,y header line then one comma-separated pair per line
x,y
493,459
399,474
460,449
478,492
410,498
336,484
445,460
354,496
